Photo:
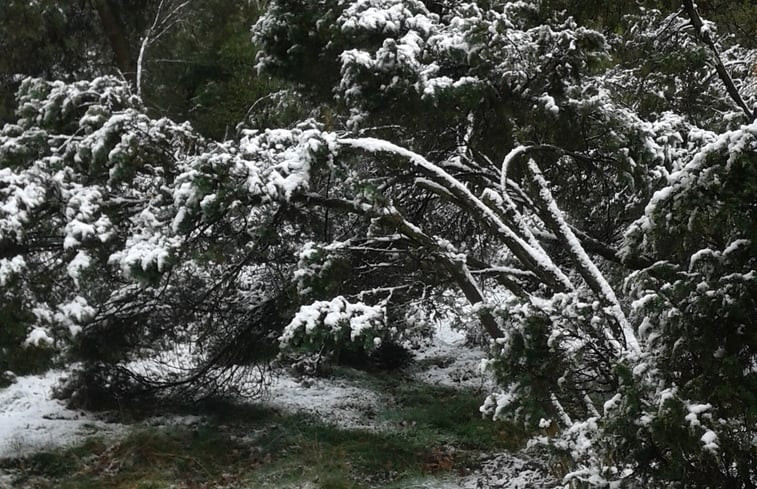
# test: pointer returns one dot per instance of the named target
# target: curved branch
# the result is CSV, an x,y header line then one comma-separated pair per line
x,y
528,251
454,263
588,242
596,281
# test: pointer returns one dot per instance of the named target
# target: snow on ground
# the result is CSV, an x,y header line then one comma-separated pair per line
x,y
446,360
499,471
337,401
508,471
31,420
502,471
449,361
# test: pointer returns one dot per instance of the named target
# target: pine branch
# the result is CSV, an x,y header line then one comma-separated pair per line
x,y
555,220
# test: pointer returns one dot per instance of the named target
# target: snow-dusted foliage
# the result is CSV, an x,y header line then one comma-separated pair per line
x,y
80,170
701,201
335,322
116,226
589,194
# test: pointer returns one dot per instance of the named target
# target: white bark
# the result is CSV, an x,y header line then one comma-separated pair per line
x,y
160,25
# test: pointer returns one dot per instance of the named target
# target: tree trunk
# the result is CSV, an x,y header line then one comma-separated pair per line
x,y
116,37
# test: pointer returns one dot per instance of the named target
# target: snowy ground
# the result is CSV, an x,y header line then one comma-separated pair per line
x,y
348,404
451,362
30,420
500,471
337,401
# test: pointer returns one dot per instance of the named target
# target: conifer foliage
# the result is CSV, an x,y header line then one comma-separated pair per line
x,y
581,189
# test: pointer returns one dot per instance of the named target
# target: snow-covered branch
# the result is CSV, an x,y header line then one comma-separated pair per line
x,y
703,32
529,252
586,267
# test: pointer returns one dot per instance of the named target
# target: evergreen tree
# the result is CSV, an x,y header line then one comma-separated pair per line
x,y
585,183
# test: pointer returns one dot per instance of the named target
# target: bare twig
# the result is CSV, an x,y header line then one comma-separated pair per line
x,y
160,25
703,34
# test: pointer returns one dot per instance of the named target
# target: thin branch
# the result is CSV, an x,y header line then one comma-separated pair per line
x,y
703,34
160,25
589,243
527,250
454,263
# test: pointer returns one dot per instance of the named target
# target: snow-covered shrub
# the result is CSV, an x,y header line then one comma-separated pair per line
x,y
607,232
335,323
695,314
594,212
115,226
683,409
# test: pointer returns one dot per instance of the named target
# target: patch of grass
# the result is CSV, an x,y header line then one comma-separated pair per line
x,y
151,458
302,448
442,415
426,431
53,464
243,446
